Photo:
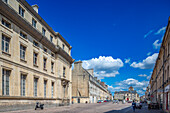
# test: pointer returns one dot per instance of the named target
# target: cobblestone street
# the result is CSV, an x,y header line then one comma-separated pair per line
x,y
91,108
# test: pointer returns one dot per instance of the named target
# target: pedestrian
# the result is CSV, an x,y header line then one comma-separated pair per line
x,y
134,105
149,104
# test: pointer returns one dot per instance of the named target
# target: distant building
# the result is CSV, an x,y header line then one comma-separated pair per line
x,y
127,95
86,87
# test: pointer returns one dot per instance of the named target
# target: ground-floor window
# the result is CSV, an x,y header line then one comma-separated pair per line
x,y
23,81
5,81
35,86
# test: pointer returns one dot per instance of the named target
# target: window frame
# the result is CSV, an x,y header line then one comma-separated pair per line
x,y
6,81
45,63
34,23
21,11
35,58
5,41
35,87
6,23
23,84
43,31
22,52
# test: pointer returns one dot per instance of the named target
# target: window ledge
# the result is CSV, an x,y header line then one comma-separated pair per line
x,y
35,46
45,69
23,60
45,52
5,53
9,29
35,65
26,40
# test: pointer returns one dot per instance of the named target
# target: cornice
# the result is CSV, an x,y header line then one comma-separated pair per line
x,y
43,21
13,16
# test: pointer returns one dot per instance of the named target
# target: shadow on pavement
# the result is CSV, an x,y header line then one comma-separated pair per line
x,y
120,111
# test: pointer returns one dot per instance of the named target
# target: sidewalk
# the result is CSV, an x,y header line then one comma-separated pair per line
x,y
145,110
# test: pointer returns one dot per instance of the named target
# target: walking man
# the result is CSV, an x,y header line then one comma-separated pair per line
x,y
134,105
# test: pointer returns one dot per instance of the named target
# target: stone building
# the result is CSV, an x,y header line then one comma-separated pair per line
x,y
86,87
35,61
129,95
160,78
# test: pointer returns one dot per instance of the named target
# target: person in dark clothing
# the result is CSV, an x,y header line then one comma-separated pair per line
x,y
134,106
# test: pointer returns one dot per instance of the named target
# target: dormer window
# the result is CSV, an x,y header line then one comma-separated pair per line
x,y
43,31
21,11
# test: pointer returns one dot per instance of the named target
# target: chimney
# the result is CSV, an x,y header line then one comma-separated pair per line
x,y
90,71
35,7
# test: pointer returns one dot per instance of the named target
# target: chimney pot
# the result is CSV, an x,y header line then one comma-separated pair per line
x,y
35,7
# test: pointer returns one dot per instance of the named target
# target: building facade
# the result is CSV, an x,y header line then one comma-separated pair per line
x,y
35,61
160,79
86,88
129,95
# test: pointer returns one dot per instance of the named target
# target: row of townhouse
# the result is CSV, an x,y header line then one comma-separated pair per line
x,y
35,61
158,90
86,88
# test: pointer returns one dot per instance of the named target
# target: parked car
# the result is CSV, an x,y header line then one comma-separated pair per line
x,y
99,101
106,100
115,101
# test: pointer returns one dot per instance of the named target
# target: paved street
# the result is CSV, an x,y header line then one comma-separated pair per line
x,y
90,108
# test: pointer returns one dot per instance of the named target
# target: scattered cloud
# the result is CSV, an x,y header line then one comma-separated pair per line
x,y
142,75
147,63
147,34
149,53
156,45
104,66
161,31
127,60
140,87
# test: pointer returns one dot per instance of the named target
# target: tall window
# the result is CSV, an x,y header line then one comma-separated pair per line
x,y
21,11
64,70
34,23
52,89
45,88
5,81
52,66
23,80
5,44
43,31
5,23
35,57
51,38
45,63
35,86
22,52
23,35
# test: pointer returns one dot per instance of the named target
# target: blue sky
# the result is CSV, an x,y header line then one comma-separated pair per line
x,y
120,39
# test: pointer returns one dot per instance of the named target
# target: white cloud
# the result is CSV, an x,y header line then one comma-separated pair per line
x,y
161,31
147,63
147,34
140,87
142,75
104,66
149,53
127,60
156,45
